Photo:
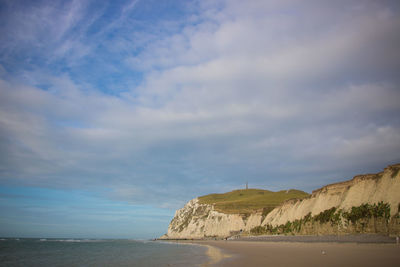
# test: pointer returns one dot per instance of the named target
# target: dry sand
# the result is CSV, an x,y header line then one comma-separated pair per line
x,y
275,254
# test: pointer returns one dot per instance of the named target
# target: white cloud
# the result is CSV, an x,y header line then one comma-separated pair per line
x,y
260,90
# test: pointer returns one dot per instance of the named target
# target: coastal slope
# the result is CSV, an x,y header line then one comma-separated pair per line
x,y
370,200
221,215
368,188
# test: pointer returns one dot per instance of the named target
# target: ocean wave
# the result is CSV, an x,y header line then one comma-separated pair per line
x,y
70,240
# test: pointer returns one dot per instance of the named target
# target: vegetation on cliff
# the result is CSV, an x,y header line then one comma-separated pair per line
x,y
247,201
362,218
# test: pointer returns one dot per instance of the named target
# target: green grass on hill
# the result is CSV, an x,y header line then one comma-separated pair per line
x,y
250,200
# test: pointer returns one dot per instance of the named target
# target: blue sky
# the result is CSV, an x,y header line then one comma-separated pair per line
x,y
115,113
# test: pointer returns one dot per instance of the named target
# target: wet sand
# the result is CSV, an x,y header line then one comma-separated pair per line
x,y
215,255
253,253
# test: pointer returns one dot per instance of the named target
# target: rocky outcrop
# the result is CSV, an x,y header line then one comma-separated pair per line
x,y
196,220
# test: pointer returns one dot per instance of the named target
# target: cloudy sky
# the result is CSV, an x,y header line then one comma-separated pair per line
x,y
115,113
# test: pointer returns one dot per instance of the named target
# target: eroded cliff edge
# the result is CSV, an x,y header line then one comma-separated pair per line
x,y
196,220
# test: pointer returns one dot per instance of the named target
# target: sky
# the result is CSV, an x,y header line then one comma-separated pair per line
x,y
113,114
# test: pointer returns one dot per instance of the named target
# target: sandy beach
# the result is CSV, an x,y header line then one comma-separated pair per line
x,y
251,253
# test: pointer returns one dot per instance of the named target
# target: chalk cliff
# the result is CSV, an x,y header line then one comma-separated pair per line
x,y
196,220
368,188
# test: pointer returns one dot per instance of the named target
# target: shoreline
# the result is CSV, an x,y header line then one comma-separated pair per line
x,y
279,250
214,254
301,254
354,238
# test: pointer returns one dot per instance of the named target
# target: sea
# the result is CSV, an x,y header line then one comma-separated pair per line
x,y
98,252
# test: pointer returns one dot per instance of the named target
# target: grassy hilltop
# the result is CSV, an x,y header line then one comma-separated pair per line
x,y
250,200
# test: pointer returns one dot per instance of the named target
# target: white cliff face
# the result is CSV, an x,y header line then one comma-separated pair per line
x,y
370,188
196,220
